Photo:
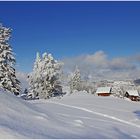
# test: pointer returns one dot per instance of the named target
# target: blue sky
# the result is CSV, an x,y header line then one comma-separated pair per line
x,y
69,29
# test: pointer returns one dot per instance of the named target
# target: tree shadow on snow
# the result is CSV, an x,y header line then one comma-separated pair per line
x,y
123,135
137,113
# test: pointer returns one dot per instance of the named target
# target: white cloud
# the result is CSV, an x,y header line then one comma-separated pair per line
x,y
98,59
22,77
101,67
121,63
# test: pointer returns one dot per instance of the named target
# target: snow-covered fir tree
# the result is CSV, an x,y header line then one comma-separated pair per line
x,y
75,80
8,80
35,78
44,80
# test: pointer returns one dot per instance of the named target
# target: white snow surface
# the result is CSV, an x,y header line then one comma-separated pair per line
x,y
79,115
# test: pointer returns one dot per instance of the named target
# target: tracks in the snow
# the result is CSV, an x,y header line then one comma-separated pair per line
x,y
98,113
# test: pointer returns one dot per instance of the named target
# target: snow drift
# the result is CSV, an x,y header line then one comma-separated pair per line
x,y
79,115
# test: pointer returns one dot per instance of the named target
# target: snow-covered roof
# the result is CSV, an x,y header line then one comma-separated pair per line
x,y
133,92
103,90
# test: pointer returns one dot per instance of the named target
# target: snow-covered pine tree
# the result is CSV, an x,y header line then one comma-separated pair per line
x,y
8,80
44,80
75,80
35,78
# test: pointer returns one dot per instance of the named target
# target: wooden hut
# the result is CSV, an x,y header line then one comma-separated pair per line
x,y
103,91
133,95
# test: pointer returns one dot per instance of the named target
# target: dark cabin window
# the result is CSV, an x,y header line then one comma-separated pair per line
x,y
126,94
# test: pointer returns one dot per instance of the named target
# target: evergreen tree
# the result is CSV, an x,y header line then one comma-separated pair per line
x,y
44,80
75,80
8,80
35,78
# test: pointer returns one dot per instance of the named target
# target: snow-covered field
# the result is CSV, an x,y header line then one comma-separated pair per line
x,y
79,115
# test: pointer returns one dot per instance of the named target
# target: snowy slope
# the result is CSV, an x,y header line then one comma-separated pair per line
x,y
73,116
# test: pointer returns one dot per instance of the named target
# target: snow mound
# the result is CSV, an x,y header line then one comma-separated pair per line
x,y
21,119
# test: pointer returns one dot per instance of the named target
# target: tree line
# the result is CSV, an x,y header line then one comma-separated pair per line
x,y
44,80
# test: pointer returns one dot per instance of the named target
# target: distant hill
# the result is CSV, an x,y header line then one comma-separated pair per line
x,y
137,82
